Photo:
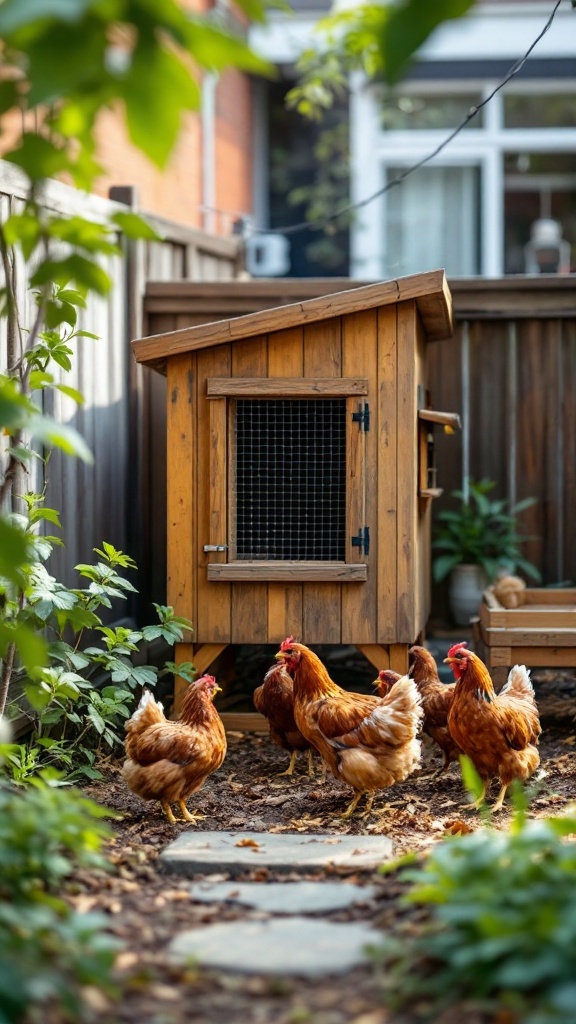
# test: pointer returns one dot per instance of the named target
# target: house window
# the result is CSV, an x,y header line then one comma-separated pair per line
x,y
536,185
290,469
414,112
537,110
433,220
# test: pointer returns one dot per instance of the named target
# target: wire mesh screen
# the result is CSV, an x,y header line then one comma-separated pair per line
x,y
291,479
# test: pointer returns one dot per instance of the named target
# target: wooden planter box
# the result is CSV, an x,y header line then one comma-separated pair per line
x,y
541,633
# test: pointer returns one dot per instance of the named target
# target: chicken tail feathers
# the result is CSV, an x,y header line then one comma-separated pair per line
x,y
404,696
518,682
404,714
148,712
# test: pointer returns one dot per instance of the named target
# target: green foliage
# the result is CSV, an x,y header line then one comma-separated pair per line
x,y
379,39
49,952
83,56
406,26
500,928
482,531
71,716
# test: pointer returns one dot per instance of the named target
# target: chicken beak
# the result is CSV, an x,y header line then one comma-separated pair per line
x,y
217,689
279,656
449,661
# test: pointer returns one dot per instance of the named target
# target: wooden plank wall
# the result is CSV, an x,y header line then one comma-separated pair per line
x,y
325,612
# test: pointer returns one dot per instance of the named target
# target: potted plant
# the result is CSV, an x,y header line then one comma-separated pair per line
x,y
476,543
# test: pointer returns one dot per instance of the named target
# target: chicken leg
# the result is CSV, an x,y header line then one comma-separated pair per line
x,y
478,803
290,768
187,815
352,806
497,806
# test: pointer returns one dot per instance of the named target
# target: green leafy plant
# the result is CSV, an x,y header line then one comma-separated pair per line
x,y
482,531
73,711
49,952
500,925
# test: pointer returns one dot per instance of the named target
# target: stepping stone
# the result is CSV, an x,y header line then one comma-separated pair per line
x,y
281,946
284,897
236,852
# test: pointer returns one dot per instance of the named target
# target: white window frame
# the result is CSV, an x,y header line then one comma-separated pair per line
x,y
373,150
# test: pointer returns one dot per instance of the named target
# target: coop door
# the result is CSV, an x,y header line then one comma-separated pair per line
x,y
295,484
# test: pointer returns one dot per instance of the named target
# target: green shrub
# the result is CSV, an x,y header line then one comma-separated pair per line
x,y
49,952
500,927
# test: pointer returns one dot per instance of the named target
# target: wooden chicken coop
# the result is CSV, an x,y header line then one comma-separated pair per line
x,y
300,470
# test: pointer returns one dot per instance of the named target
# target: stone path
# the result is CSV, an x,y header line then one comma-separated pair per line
x,y
235,852
287,941
284,897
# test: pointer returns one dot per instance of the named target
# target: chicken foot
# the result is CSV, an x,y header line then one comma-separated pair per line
x,y
497,806
290,768
168,812
477,803
354,804
186,815
351,806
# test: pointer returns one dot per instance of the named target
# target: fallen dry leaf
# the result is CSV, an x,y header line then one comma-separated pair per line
x,y
248,842
126,961
457,827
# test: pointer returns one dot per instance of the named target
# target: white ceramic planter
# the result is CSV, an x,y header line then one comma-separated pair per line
x,y
467,583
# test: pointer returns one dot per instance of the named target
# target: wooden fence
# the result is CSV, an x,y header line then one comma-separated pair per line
x,y
509,370
104,501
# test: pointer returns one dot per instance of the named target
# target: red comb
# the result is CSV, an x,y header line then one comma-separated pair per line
x,y
457,647
286,643
206,679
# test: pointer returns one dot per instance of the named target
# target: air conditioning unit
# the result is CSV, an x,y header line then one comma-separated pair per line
x,y
267,255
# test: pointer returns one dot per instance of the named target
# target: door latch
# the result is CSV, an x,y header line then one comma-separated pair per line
x,y
215,547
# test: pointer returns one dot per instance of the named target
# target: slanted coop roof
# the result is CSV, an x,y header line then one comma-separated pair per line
x,y
429,291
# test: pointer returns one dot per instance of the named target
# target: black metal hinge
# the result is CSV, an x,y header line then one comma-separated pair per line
x,y
362,540
362,417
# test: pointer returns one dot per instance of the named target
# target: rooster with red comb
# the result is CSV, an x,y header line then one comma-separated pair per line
x,y
498,732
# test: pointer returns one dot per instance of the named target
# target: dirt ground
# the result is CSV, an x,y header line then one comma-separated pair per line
x,y
147,908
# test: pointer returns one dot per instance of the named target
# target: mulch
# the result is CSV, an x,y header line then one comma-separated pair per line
x,y
146,908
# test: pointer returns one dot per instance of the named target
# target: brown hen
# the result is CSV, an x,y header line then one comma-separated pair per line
x,y
437,700
168,761
275,700
498,732
366,741
385,681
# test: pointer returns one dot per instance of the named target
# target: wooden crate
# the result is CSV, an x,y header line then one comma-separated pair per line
x,y
541,633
